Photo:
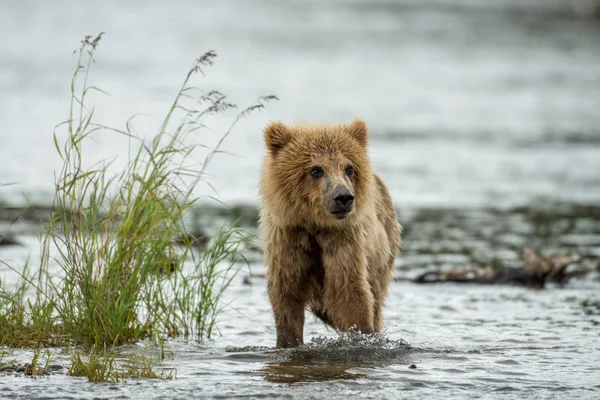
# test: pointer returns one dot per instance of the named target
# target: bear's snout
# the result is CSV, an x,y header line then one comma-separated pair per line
x,y
343,198
341,202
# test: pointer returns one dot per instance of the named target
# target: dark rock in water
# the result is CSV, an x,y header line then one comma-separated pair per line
x,y
412,366
7,369
255,248
248,278
55,367
9,241
198,239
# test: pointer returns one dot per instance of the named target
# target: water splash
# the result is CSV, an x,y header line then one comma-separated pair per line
x,y
326,358
348,347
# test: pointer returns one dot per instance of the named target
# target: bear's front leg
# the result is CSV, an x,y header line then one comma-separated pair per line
x,y
348,298
288,257
288,309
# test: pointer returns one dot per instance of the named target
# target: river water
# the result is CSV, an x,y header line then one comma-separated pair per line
x,y
465,340
484,123
472,342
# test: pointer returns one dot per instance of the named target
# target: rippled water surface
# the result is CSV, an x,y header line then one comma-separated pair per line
x,y
484,121
464,342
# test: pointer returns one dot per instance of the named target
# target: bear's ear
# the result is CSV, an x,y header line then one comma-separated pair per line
x,y
277,135
358,129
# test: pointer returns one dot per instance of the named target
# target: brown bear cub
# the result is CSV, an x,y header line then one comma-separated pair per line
x,y
329,228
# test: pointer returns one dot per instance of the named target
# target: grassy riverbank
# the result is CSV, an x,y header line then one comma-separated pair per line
x,y
118,264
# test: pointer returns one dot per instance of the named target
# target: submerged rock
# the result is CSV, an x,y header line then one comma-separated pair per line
x,y
9,241
53,368
7,369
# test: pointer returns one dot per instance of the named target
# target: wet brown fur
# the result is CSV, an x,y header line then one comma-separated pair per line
x,y
339,268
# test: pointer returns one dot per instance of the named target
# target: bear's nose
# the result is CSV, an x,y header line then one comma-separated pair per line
x,y
343,198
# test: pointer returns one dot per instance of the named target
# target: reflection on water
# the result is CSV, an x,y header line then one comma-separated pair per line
x,y
307,371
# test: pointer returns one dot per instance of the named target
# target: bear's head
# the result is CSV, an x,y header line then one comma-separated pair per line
x,y
317,174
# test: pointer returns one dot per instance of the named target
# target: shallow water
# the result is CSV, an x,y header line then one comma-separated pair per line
x,y
465,340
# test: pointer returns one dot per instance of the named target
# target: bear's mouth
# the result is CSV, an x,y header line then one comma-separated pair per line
x,y
340,214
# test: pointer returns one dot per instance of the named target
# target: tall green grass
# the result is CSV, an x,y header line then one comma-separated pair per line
x,y
113,269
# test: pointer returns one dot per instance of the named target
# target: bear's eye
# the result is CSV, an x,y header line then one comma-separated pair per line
x,y
316,172
349,170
